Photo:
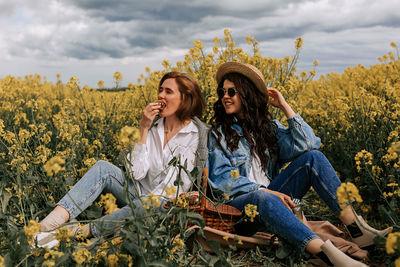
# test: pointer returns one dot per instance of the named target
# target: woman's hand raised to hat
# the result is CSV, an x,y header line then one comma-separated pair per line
x,y
277,100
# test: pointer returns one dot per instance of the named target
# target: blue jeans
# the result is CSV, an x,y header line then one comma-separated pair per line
x,y
103,177
310,169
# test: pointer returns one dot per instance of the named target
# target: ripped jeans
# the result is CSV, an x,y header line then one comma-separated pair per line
x,y
103,177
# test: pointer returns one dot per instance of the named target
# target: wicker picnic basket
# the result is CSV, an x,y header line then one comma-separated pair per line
x,y
216,215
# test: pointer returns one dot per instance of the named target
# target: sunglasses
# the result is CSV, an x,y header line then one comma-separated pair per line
x,y
222,91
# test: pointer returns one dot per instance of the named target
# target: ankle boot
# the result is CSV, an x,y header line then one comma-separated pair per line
x,y
368,233
338,258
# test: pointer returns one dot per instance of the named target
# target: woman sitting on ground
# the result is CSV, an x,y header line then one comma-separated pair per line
x,y
247,149
177,132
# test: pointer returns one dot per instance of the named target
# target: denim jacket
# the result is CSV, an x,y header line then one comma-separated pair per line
x,y
292,142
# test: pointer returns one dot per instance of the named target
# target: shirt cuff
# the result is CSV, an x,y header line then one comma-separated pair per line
x,y
296,120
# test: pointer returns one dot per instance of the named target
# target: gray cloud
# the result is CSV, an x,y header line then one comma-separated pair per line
x,y
125,33
150,10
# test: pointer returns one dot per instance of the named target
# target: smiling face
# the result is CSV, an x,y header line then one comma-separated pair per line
x,y
232,105
170,95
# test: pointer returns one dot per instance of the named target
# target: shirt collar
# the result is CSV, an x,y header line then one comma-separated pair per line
x,y
191,127
238,129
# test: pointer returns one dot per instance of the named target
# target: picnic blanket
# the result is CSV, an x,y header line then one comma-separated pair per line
x,y
323,229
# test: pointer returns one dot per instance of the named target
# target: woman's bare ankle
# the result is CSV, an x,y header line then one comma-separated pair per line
x,y
62,211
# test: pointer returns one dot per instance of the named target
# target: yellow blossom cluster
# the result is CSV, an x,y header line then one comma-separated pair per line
x,y
63,233
169,191
100,84
181,202
51,256
82,255
108,201
112,260
392,242
392,190
393,154
117,76
251,211
129,135
54,166
151,201
32,228
103,253
177,245
348,193
235,174
363,157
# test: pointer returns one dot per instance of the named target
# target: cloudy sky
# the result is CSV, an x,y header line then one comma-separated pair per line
x,y
91,39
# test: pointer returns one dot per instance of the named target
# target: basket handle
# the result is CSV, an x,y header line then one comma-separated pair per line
x,y
204,189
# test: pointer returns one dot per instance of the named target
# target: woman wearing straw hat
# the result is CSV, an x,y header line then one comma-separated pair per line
x,y
247,149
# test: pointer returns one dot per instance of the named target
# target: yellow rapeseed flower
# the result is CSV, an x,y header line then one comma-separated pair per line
x,y
129,135
170,191
215,49
63,233
49,263
298,43
347,193
151,201
251,211
392,242
393,44
108,201
363,157
82,255
165,63
177,244
89,162
32,228
112,260
53,166
235,174
53,254
181,202
249,39
117,76
216,40
100,84
198,44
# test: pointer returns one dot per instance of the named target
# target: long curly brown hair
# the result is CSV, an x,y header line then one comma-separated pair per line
x,y
259,129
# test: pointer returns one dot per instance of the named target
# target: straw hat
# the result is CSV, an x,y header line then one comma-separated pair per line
x,y
247,70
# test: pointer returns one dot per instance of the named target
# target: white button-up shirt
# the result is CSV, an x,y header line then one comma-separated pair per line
x,y
150,161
